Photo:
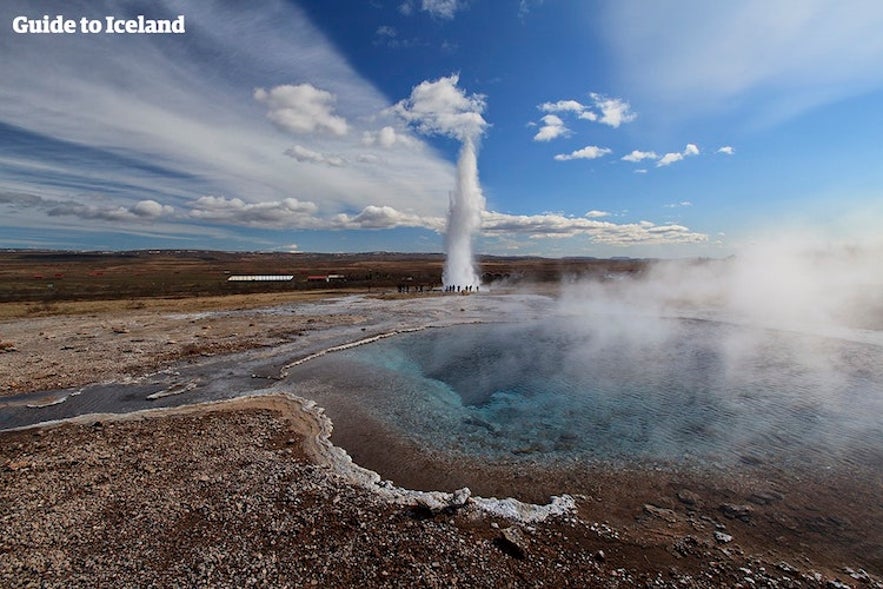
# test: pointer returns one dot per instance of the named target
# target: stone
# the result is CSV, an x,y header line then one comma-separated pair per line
x,y
722,538
732,511
439,502
688,497
662,513
514,541
765,498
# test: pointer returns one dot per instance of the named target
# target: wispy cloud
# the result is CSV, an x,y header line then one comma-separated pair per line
x,y
727,150
387,137
388,36
126,119
603,232
588,152
302,154
443,9
288,212
440,9
713,54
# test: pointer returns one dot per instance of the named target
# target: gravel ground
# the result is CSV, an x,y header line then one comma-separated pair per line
x,y
238,494
233,495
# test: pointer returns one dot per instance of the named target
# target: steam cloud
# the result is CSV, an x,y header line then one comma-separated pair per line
x,y
440,107
789,284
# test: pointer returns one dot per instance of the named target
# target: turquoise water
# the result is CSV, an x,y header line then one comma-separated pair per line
x,y
668,391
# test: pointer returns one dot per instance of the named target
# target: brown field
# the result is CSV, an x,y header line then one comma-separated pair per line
x,y
44,278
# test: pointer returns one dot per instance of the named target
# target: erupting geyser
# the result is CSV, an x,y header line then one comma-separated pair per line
x,y
464,221
440,107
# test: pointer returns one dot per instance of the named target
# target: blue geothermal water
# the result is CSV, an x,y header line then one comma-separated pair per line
x,y
668,391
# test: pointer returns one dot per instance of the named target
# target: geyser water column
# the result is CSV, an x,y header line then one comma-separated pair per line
x,y
464,220
439,107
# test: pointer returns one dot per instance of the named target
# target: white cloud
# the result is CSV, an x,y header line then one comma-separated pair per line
x,y
551,225
726,149
302,154
669,159
291,213
614,111
673,157
593,214
302,108
288,212
444,9
172,141
562,106
641,171
674,205
605,110
387,137
384,217
524,7
440,107
386,31
588,152
553,127
369,158
150,209
145,210
638,156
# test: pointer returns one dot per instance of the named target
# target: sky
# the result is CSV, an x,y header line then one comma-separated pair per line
x,y
605,128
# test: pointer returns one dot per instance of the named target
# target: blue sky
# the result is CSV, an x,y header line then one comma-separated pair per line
x,y
623,128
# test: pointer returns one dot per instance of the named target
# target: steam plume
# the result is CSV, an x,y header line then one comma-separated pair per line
x,y
440,107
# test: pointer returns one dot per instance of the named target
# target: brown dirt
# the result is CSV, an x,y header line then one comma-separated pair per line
x,y
227,496
81,343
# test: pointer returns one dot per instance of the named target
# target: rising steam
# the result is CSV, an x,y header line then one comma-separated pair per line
x,y
441,108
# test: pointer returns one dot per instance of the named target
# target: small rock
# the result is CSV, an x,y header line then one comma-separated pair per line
x,y
514,541
688,497
786,568
664,514
18,465
723,538
600,556
732,511
765,498
859,575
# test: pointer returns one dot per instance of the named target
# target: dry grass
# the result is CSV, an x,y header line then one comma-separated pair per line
x,y
162,305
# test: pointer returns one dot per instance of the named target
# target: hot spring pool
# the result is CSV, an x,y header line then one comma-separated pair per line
x,y
568,390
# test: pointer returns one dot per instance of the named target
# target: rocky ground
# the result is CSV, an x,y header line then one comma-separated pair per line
x,y
236,494
54,352
231,496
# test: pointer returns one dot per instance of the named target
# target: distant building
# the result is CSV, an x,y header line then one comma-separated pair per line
x,y
260,278
326,278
